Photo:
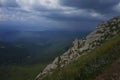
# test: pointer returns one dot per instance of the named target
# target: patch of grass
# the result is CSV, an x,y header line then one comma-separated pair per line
x,y
19,72
91,64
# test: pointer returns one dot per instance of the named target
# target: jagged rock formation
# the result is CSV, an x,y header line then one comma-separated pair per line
x,y
103,32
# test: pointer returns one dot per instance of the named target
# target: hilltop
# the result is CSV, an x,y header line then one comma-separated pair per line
x,y
88,58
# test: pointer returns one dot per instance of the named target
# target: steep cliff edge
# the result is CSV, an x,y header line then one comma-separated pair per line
x,y
103,32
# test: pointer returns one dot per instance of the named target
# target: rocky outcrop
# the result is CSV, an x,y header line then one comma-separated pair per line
x,y
103,32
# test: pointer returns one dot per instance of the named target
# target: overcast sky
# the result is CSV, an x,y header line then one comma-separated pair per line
x,y
55,14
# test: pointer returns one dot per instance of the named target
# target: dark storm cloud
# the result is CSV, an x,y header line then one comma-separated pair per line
x,y
80,18
94,10
101,6
59,13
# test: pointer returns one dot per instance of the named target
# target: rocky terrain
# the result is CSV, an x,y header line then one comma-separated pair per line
x,y
103,32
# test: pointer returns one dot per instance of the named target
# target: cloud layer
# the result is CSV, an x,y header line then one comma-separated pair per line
x,y
53,13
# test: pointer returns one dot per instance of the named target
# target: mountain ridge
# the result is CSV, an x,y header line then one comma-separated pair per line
x,y
103,32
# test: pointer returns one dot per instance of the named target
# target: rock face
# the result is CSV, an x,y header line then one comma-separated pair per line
x,y
103,32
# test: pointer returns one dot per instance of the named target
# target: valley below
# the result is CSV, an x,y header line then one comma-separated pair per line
x,y
23,54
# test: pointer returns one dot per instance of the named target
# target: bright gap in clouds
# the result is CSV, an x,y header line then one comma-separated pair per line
x,y
31,4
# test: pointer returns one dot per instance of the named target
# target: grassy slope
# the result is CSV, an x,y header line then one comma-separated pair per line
x,y
112,73
19,72
91,64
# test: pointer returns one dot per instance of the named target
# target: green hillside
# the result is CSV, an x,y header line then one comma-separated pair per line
x,y
20,72
91,64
